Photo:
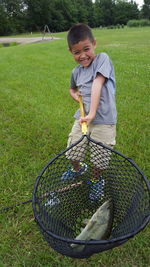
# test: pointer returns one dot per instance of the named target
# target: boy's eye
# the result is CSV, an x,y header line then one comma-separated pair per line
x,y
76,53
85,49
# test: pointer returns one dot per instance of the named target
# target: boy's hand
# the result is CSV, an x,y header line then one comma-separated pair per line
x,y
74,94
88,119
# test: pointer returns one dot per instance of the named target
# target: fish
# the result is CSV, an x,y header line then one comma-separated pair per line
x,y
98,227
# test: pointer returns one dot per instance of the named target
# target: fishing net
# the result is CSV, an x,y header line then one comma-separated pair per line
x,y
61,205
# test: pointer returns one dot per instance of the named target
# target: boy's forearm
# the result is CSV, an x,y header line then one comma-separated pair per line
x,y
95,94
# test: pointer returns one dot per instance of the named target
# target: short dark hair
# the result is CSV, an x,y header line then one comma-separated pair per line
x,y
79,32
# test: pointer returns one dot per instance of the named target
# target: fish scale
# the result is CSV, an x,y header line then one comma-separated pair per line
x,y
98,227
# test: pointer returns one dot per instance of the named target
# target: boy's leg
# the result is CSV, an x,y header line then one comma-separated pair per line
x,y
75,154
97,172
100,157
105,134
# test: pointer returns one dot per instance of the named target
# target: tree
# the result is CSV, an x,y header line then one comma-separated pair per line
x,y
60,15
145,12
90,13
14,12
125,11
38,14
4,23
104,11
68,11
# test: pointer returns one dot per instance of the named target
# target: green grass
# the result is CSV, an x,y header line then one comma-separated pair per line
x,y
34,82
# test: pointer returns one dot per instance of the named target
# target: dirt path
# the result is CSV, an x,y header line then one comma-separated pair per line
x,y
25,40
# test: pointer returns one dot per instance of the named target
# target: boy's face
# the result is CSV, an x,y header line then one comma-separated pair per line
x,y
83,52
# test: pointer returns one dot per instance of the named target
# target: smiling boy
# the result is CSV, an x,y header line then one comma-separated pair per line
x,y
94,79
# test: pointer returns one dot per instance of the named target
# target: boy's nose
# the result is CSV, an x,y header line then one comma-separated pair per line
x,y
82,55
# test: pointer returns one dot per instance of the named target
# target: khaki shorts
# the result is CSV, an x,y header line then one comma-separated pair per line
x,y
100,156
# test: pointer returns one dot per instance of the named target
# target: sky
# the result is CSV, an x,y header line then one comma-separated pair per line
x,y
139,2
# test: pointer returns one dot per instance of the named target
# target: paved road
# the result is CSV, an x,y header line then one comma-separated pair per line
x,y
5,40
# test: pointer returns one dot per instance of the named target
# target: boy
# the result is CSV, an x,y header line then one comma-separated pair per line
x,y
94,79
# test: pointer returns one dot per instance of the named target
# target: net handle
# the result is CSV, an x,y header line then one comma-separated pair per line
x,y
82,112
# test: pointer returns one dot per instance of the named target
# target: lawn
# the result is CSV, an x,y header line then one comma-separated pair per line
x,y
36,117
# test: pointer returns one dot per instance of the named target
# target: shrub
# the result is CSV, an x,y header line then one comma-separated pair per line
x,y
13,44
144,22
138,23
133,23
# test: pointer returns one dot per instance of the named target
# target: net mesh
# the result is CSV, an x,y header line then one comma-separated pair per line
x,y
62,204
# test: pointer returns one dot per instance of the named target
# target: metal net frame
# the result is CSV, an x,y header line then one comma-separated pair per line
x,y
125,185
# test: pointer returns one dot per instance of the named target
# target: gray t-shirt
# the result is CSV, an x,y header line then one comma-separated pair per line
x,y
82,78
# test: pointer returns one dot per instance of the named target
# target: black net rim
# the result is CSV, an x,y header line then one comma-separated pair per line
x,y
123,238
92,242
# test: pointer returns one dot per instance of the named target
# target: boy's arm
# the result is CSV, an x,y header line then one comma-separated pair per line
x,y
74,93
95,98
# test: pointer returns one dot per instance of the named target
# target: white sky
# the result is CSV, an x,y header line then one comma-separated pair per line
x,y
139,2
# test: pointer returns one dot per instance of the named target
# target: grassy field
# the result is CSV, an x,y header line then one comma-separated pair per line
x,y
36,117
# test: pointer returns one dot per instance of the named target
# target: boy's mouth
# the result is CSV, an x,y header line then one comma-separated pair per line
x,y
85,61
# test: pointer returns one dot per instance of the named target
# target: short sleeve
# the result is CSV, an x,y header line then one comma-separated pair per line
x,y
72,80
103,65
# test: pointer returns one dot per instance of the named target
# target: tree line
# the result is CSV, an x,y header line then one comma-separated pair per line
x,y
18,16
